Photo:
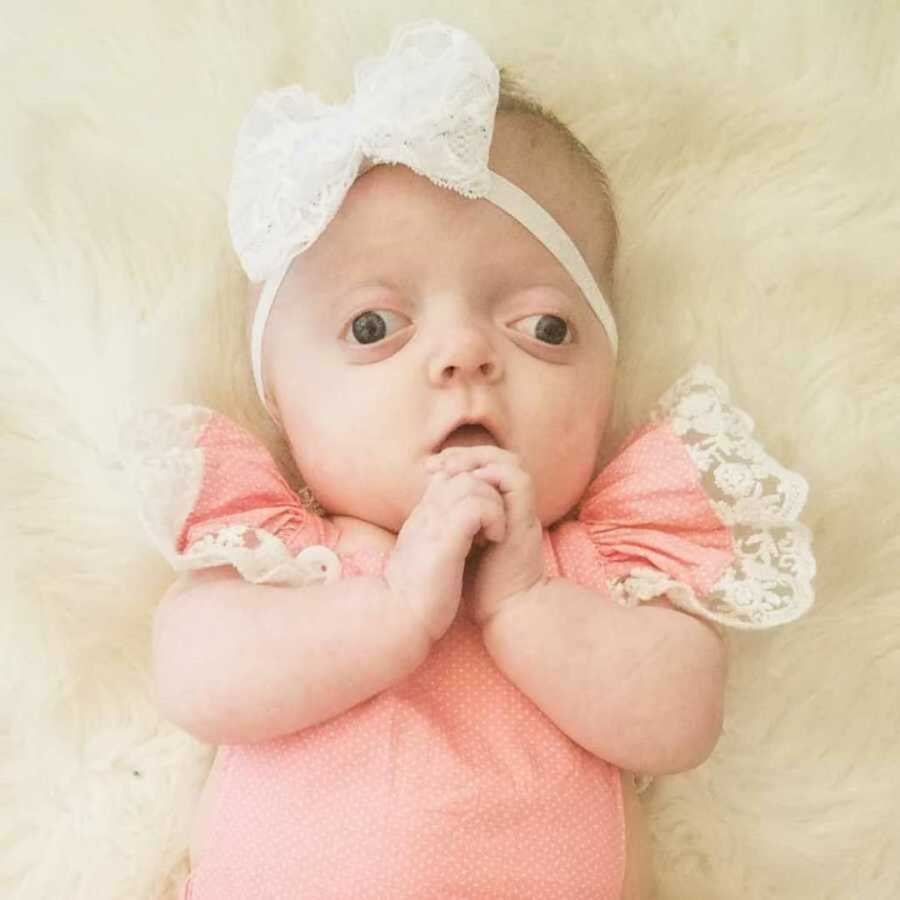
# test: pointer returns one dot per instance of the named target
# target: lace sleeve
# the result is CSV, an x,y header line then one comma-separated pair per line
x,y
208,494
769,581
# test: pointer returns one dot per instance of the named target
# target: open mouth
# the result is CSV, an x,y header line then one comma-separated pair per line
x,y
468,436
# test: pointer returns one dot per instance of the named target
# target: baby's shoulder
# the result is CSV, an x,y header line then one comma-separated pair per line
x,y
356,535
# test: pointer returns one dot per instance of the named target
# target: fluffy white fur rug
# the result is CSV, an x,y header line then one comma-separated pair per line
x,y
753,151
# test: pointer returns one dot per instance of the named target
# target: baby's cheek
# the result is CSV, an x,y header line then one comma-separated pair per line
x,y
566,450
568,421
573,449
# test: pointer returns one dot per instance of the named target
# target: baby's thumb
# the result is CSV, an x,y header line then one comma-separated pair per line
x,y
492,530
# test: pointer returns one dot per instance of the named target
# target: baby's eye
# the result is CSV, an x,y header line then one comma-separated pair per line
x,y
549,329
371,326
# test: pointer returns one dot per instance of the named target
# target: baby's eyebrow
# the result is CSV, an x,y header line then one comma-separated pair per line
x,y
348,291
570,296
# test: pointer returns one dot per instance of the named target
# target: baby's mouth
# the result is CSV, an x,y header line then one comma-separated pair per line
x,y
468,436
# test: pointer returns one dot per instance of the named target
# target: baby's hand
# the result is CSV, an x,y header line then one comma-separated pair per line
x,y
514,562
427,562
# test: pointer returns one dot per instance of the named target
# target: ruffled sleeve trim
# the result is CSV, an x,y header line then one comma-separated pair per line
x,y
209,493
769,579
694,510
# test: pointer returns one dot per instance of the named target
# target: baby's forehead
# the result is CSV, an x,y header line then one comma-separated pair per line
x,y
527,142
525,151
535,145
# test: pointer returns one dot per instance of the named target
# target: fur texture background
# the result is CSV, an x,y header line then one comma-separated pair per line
x,y
752,147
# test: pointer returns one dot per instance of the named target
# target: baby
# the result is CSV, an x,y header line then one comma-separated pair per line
x,y
435,671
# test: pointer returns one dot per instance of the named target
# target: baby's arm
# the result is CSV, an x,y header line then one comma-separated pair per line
x,y
640,687
237,662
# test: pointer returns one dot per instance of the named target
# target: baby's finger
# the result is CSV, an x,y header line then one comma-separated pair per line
x,y
462,459
482,514
493,520
516,487
445,489
481,503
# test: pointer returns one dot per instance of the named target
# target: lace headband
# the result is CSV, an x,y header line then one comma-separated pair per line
x,y
429,104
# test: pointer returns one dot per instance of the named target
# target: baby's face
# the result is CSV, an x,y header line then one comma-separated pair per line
x,y
418,307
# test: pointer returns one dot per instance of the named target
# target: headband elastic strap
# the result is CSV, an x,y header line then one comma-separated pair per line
x,y
522,207
263,308
512,200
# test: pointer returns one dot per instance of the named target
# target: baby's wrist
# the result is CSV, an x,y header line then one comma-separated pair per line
x,y
404,603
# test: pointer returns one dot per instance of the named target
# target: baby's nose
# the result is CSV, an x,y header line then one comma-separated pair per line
x,y
465,352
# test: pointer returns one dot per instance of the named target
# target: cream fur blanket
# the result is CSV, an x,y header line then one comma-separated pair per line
x,y
753,148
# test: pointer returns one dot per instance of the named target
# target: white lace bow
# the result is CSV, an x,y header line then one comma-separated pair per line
x,y
428,103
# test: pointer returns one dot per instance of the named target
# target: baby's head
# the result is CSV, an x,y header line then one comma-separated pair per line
x,y
418,307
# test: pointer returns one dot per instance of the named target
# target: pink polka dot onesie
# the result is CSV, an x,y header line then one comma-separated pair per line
x,y
452,783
